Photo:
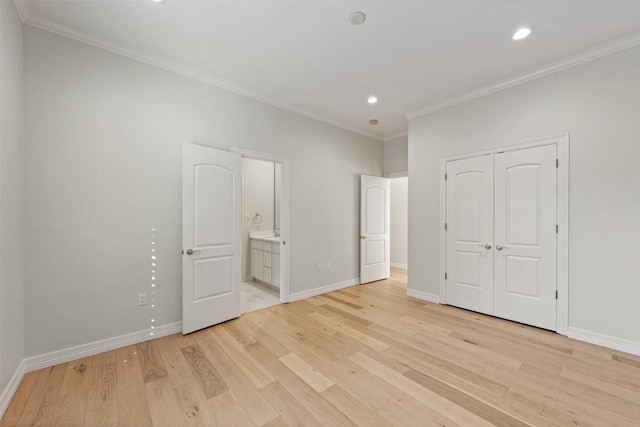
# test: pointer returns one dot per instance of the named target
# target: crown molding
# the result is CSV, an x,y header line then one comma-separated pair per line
x,y
23,9
395,136
554,67
186,71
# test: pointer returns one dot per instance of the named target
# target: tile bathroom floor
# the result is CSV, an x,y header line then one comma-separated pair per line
x,y
257,295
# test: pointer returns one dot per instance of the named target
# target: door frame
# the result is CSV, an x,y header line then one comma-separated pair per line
x,y
285,214
562,273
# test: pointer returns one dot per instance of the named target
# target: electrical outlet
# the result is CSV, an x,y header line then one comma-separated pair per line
x,y
142,298
318,268
328,266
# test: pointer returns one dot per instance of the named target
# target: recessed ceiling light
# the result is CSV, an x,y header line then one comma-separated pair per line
x,y
372,100
373,122
357,18
159,1
522,33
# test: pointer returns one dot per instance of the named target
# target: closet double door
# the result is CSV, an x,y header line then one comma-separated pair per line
x,y
501,236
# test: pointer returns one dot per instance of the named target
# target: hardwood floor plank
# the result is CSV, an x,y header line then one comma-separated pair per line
x,y
151,362
308,373
435,401
229,412
133,408
163,405
353,408
242,388
468,402
258,375
70,409
178,370
290,414
195,406
102,400
206,374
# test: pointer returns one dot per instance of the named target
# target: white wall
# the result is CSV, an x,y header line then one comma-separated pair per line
x,y
396,155
258,197
399,221
11,194
599,104
104,168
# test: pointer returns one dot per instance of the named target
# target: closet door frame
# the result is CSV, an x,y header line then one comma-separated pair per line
x,y
562,150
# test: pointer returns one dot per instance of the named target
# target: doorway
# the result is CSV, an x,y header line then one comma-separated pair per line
x,y
261,240
265,227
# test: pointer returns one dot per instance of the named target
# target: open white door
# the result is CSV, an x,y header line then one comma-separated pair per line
x,y
375,224
210,237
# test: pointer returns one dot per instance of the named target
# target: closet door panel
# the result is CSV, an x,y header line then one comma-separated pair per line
x,y
525,236
470,233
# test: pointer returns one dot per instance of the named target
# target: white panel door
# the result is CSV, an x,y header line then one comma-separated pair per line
x,y
210,237
470,233
375,224
525,236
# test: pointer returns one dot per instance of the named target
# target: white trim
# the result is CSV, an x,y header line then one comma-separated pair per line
x,y
190,72
562,274
395,136
554,67
425,296
398,265
96,347
621,344
285,214
323,289
11,388
402,174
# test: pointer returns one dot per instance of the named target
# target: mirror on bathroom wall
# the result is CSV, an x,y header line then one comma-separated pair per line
x,y
277,194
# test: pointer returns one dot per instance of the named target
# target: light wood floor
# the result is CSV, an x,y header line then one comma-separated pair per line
x,y
367,355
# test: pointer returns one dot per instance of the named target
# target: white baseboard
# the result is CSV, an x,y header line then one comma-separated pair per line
x,y
96,347
398,265
323,290
11,388
426,296
608,341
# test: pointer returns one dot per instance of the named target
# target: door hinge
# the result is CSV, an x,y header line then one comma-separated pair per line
x,y
557,163
445,176
445,226
557,229
445,276
556,294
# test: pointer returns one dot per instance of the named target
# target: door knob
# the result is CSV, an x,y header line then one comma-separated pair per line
x,y
191,252
487,246
498,247
363,237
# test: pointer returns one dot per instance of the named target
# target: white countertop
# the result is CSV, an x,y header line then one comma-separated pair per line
x,y
264,236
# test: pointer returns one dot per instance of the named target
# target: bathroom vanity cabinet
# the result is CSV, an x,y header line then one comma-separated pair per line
x,y
265,261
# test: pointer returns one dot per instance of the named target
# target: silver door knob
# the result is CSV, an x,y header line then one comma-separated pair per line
x,y
190,251
498,247
363,237
487,246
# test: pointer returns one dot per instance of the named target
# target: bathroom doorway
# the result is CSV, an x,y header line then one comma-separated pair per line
x,y
265,253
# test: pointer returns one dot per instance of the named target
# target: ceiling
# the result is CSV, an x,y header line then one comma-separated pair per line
x,y
307,57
